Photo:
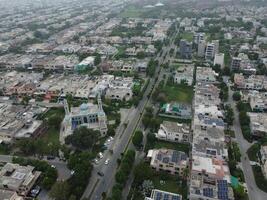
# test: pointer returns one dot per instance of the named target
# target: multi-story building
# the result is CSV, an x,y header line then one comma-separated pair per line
x,y
171,161
252,82
258,124
174,132
18,178
258,101
199,37
210,51
219,59
201,48
186,49
236,63
206,75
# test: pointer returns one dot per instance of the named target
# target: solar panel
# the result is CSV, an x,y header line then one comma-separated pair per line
x,y
222,189
208,192
166,197
175,198
158,196
165,160
159,156
175,156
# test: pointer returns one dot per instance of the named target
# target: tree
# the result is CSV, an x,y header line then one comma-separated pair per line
x,y
237,96
97,59
137,138
60,190
142,172
83,138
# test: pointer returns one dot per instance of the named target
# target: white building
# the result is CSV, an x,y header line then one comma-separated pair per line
x,y
174,132
219,59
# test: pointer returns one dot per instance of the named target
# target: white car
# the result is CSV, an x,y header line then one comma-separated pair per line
x,y
106,162
100,155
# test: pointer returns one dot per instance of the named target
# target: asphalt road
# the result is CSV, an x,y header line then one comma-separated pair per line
x,y
254,192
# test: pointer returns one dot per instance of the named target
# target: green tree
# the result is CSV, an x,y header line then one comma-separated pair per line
x,y
97,59
83,138
142,172
60,191
237,96
137,138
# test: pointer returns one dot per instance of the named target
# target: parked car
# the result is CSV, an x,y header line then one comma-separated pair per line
x,y
35,191
50,157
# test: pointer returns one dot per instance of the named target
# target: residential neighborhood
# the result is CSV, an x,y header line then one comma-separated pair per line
x,y
133,100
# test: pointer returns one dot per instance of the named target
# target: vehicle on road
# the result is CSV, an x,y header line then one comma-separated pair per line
x,y
107,161
72,172
100,173
53,166
50,157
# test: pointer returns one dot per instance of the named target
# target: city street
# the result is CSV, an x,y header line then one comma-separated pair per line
x,y
253,191
97,185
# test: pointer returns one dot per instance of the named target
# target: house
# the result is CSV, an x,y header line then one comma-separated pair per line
x,y
174,132
252,82
258,124
206,75
258,100
18,178
176,110
86,63
163,195
171,161
9,195
184,75
120,89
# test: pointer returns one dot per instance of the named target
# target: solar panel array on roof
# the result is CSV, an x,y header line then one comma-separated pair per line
x,y
208,192
222,189
159,156
175,156
158,195
175,198
166,160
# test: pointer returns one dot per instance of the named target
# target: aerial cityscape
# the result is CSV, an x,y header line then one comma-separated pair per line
x,y
133,100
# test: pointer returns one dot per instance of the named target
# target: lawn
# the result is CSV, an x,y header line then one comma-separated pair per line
x,y
179,93
51,136
171,145
187,36
170,183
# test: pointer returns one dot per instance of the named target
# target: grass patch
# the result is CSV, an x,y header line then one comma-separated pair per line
x,y
187,36
51,136
170,183
178,93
